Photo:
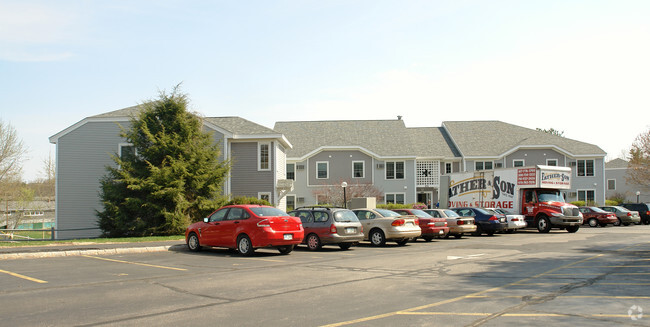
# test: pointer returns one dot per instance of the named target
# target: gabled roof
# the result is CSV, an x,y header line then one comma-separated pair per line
x,y
495,138
384,138
236,127
617,163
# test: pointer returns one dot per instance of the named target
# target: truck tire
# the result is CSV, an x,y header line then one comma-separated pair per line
x,y
572,229
543,224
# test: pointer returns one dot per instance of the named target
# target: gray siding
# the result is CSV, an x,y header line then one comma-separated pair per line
x,y
340,167
82,156
532,157
246,180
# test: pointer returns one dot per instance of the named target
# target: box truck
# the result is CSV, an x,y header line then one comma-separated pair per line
x,y
535,192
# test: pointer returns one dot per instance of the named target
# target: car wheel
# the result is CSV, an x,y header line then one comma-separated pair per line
x,y
193,242
593,222
427,238
646,222
244,246
458,235
286,249
572,229
313,242
377,238
543,224
478,231
345,246
402,242
617,222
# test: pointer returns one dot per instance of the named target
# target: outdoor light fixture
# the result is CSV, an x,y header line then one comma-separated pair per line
x,y
345,200
637,196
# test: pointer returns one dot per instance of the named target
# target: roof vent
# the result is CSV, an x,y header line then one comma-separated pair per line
x,y
399,117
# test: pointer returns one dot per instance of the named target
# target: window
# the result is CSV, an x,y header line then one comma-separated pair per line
x,y
551,162
483,165
291,171
585,168
518,163
395,170
322,169
611,184
291,202
395,198
264,196
448,168
587,195
127,151
218,216
358,169
264,156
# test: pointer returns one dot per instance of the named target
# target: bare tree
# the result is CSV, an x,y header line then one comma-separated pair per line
x,y
12,152
639,160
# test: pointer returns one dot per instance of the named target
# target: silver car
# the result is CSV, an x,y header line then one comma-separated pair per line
x,y
624,215
381,225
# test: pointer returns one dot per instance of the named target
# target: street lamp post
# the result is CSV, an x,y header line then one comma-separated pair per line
x,y
637,196
345,200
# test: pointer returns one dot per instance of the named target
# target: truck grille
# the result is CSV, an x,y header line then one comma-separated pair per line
x,y
570,212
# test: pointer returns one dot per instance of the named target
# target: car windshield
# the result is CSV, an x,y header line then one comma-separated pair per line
x,y
621,209
483,211
597,209
421,214
267,211
387,213
345,216
451,214
550,196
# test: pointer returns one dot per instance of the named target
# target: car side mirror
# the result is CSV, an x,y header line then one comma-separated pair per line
x,y
205,220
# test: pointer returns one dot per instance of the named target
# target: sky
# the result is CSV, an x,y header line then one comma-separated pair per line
x,y
580,67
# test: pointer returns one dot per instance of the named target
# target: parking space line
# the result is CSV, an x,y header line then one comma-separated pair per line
x,y
36,280
507,314
134,263
261,259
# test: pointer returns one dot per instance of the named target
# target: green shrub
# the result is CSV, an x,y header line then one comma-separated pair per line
x,y
247,200
578,203
391,206
611,202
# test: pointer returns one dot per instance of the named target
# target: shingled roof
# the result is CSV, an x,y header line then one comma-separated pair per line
x,y
390,138
494,138
617,163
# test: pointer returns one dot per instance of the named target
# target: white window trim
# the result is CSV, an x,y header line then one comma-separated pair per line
x,y
557,162
122,145
585,190
395,170
451,167
523,162
259,156
611,189
327,165
260,194
294,170
585,167
490,161
395,195
363,168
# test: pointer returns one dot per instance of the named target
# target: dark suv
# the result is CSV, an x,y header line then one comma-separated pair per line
x,y
324,225
642,208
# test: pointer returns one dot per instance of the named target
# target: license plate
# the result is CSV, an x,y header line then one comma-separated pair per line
x,y
351,230
409,224
288,237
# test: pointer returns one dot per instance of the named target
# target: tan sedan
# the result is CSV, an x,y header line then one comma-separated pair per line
x,y
381,225
458,225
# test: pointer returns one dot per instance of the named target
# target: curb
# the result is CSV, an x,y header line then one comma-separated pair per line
x,y
73,253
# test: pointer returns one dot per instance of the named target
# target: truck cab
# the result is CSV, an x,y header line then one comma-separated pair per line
x,y
546,208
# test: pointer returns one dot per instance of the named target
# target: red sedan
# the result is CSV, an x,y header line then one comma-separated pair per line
x,y
431,227
595,216
246,228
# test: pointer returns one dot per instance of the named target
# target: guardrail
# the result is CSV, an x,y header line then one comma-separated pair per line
x,y
14,235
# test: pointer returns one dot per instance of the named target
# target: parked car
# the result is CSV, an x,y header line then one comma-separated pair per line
x,y
381,225
458,225
487,222
515,221
625,216
642,208
594,216
431,227
323,226
246,228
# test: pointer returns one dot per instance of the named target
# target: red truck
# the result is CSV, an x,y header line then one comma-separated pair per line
x,y
535,192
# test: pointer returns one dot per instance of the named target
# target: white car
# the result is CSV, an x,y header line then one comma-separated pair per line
x,y
515,221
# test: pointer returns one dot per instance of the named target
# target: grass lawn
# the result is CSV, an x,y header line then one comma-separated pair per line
x,y
18,241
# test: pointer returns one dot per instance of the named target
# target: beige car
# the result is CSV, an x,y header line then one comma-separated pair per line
x,y
381,225
458,225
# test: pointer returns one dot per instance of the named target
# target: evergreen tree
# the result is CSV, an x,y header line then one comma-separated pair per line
x,y
173,176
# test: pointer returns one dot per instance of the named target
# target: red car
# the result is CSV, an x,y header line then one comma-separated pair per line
x,y
246,228
431,227
595,216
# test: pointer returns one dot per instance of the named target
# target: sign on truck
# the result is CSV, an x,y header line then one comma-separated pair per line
x,y
535,192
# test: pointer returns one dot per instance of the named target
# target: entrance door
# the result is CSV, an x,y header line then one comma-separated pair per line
x,y
426,198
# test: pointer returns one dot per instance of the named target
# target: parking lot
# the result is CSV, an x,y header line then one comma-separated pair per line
x,y
595,277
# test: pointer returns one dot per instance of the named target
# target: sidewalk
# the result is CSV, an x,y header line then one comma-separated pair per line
x,y
63,250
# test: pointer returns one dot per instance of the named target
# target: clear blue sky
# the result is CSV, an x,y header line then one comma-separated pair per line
x,y
582,67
